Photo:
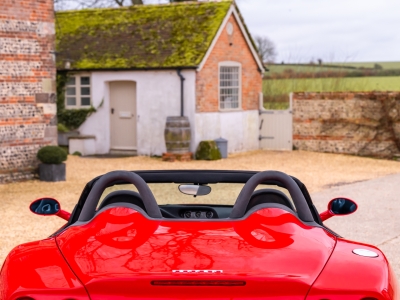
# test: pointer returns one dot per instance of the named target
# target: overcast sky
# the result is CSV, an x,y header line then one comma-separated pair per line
x,y
333,30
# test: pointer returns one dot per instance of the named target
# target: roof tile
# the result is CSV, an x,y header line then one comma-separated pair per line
x,y
140,36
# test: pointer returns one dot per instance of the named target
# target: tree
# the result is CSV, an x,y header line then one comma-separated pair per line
x,y
266,48
78,4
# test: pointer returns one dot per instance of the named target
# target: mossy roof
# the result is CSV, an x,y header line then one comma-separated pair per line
x,y
140,36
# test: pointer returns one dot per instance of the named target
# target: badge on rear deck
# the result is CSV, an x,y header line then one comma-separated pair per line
x,y
197,271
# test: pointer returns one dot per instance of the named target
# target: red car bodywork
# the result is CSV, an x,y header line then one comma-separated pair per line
x,y
120,254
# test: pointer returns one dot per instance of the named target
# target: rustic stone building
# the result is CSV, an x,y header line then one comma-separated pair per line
x,y
27,85
130,64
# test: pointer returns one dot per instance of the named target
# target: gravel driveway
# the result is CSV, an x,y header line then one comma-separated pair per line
x,y
317,170
377,219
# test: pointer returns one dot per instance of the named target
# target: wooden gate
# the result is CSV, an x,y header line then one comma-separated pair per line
x,y
276,129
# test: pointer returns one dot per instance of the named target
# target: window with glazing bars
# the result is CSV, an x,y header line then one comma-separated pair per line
x,y
229,87
77,92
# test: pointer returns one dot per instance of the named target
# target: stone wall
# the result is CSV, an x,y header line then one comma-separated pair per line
x,y
353,123
27,85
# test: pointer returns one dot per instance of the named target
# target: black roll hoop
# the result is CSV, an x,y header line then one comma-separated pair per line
x,y
150,203
303,211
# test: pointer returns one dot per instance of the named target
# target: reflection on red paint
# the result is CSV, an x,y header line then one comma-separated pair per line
x,y
121,253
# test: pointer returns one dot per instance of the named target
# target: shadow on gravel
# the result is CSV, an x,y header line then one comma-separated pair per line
x,y
341,183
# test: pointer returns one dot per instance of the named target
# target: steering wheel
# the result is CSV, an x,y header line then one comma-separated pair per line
x,y
150,203
287,182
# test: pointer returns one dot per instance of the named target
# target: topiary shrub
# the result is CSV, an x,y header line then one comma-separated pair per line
x,y
207,150
52,155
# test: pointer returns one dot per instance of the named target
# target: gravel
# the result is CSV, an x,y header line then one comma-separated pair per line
x,y
316,170
377,219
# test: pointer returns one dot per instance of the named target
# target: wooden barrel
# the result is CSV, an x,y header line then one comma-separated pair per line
x,y
177,135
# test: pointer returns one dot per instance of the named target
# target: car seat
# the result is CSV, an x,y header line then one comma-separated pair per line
x,y
269,196
123,196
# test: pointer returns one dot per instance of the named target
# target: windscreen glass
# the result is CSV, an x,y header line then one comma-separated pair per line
x,y
168,193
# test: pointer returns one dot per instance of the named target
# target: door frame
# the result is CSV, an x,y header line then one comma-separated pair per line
x,y
109,116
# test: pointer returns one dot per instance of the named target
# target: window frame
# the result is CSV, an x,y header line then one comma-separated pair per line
x,y
78,95
230,64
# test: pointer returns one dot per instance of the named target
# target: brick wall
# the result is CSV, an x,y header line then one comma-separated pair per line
x,y
27,85
353,123
228,48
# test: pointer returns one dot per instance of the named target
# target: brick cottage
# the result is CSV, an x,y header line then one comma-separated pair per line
x,y
128,64
27,85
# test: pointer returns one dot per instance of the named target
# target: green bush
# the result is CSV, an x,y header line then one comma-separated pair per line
x,y
62,128
208,150
70,119
52,155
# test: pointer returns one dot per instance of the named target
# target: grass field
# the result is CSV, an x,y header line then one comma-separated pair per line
x,y
357,84
306,68
335,67
387,65
276,91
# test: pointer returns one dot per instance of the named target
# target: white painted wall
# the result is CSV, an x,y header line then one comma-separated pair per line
x,y
158,96
240,128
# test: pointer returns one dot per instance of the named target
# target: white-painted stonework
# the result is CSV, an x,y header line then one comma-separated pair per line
x,y
83,146
240,128
158,96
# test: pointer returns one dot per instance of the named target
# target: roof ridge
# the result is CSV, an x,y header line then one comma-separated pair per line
x,y
160,5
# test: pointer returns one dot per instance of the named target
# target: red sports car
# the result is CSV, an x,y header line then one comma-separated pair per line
x,y
238,235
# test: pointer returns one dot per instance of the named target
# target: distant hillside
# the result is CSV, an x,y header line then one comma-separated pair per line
x,y
386,65
282,79
332,70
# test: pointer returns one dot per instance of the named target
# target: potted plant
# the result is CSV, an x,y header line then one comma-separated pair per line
x,y
52,167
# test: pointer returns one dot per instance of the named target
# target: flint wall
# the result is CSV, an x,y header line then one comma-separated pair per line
x,y
353,123
27,85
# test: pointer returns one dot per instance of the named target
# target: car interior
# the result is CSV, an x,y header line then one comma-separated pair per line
x,y
192,211
252,192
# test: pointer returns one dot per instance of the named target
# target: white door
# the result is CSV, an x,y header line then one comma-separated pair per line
x,y
276,129
123,115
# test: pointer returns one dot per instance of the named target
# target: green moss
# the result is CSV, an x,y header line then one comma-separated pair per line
x,y
143,36
207,150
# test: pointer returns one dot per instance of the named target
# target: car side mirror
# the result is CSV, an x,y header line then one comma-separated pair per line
x,y
48,207
339,207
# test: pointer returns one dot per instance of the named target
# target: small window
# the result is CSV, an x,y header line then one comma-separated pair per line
x,y
229,86
77,91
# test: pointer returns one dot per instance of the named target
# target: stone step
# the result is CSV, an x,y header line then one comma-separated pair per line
x,y
119,152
